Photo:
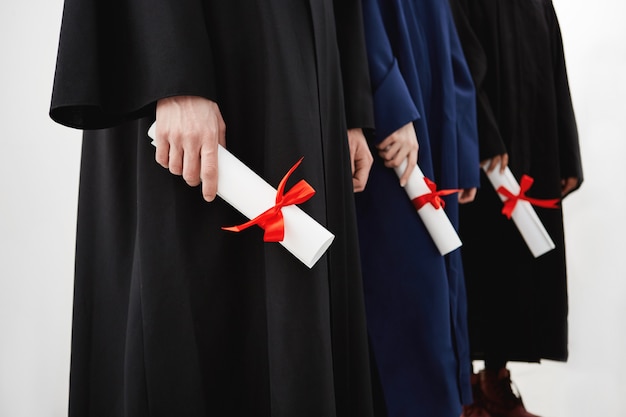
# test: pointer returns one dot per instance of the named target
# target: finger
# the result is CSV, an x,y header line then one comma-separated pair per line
x,y
390,151
467,195
386,143
191,167
162,153
472,195
504,162
410,167
221,126
385,152
461,197
352,160
568,185
393,156
360,176
175,163
363,161
358,185
493,163
208,172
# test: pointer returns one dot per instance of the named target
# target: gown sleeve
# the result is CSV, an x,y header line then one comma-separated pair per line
x,y
466,122
569,149
354,71
116,58
393,105
490,140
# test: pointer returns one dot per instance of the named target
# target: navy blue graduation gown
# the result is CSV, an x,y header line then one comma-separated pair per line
x,y
415,298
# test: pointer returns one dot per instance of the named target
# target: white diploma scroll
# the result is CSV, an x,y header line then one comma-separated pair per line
x,y
436,221
524,215
243,189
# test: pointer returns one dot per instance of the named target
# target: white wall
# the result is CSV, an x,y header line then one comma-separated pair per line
x,y
38,192
593,381
38,188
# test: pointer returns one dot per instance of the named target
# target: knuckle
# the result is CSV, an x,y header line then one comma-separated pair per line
x,y
207,153
191,176
192,182
209,191
175,168
161,159
161,132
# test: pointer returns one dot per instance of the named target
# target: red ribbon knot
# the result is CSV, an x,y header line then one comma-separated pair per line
x,y
511,199
271,220
434,197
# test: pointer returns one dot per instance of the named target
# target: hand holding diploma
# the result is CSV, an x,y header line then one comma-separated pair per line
x,y
399,150
238,185
189,130
519,208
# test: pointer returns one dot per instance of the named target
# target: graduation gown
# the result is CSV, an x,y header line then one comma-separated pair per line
x,y
172,315
518,304
415,298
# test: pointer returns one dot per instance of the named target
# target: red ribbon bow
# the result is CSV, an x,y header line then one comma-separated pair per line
x,y
271,220
434,197
511,200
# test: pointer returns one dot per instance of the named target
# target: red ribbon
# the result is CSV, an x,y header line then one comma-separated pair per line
x,y
271,220
434,197
511,200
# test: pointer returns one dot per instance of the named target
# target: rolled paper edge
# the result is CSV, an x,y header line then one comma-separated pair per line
x,y
309,246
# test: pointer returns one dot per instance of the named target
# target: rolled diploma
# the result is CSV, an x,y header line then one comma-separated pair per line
x,y
524,215
436,221
243,189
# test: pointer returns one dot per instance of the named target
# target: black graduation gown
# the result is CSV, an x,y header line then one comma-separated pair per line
x,y
517,304
172,315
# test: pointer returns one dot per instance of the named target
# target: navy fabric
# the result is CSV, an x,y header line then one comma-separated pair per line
x,y
415,298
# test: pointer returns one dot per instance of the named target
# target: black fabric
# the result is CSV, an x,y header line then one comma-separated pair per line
x,y
518,304
494,363
490,140
172,315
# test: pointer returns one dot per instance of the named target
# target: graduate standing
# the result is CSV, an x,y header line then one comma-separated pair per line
x,y
517,303
172,315
415,298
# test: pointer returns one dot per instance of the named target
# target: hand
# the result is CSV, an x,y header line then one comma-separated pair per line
x,y
401,145
493,162
361,159
568,185
188,130
467,195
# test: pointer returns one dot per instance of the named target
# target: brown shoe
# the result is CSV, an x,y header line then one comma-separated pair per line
x,y
476,409
499,399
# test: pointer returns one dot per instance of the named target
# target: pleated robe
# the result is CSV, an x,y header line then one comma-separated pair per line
x,y
415,298
518,304
172,315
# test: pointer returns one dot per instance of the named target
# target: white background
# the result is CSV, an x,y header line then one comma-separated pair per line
x,y
39,164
